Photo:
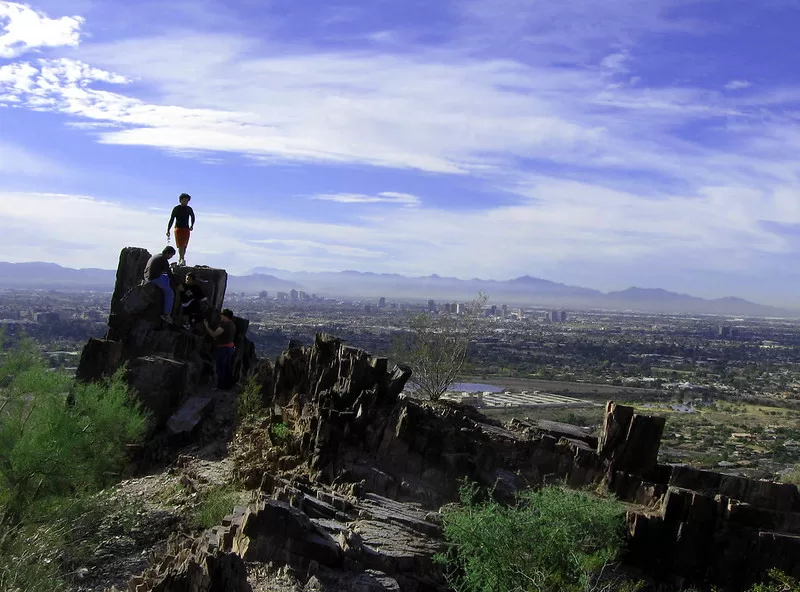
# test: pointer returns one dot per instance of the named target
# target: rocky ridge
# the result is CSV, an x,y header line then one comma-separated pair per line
x,y
348,490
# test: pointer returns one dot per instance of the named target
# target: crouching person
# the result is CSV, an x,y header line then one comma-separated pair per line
x,y
194,302
223,336
158,272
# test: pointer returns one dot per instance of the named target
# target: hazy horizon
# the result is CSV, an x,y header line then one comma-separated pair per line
x,y
600,145
309,280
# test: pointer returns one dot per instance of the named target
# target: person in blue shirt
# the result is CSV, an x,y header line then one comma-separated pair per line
x,y
157,271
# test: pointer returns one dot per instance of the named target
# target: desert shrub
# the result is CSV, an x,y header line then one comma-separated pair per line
x,y
250,401
59,538
792,476
555,540
60,441
280,432
435,347
215,504
28,558
779,582
58,437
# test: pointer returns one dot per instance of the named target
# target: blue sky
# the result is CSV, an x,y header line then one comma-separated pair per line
x,y
605,144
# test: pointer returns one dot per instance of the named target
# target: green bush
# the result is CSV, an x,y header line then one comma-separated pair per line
x,y
215,504
28,559
250,401
792,476
59,442
59,437
555,540
280,432
780,583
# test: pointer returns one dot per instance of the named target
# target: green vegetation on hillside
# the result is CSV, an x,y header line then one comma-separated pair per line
x,y
778,582
60,442
555,540
792,476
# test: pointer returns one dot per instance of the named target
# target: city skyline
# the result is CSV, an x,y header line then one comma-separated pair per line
x,y
521,291
609,145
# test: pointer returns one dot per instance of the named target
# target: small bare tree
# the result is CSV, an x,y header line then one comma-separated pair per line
x,y
435,347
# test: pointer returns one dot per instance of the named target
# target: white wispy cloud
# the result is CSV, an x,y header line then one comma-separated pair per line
x,y
379,110
23,29
390,197
738,85
383,109
570,31
617,182
313,248
559,224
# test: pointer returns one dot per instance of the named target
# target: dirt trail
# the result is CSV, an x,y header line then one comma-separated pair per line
x,y
159,501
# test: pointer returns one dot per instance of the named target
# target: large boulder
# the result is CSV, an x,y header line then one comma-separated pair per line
x,y
630,441
167,363
130,273
100,358
133,299
160,384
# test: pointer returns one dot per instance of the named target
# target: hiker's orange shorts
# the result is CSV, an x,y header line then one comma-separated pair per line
x,y
182,237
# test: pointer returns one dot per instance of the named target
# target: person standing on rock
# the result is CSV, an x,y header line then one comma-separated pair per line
x,y
157,272
181,215
223,336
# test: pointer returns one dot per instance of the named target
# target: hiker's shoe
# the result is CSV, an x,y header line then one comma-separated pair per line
x,y
167,319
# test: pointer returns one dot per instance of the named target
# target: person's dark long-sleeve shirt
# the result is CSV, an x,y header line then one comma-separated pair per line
x,y
181,215
192,293
157,266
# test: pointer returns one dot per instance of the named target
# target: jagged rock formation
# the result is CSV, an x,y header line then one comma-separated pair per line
x,y
353,426
166,364
194,566
349,498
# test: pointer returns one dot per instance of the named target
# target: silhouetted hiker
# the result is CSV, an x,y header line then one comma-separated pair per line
x,y
193,299
223,336
157,271
181,215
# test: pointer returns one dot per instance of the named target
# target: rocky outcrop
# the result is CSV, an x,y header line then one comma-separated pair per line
x,y
630,441
354,426
350,486
716,528
691,526
133,300
166,364
328,540
193,566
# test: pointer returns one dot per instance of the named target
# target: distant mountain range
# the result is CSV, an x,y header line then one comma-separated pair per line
x,y
525,290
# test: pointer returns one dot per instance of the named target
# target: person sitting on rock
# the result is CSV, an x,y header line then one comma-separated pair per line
x,y
223,336
157,272
193,299
181,214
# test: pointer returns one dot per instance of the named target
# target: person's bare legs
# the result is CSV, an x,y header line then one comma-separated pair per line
x,y
182,255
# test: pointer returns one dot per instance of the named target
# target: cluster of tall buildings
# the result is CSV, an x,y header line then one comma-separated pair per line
x,y
454,308
295,296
